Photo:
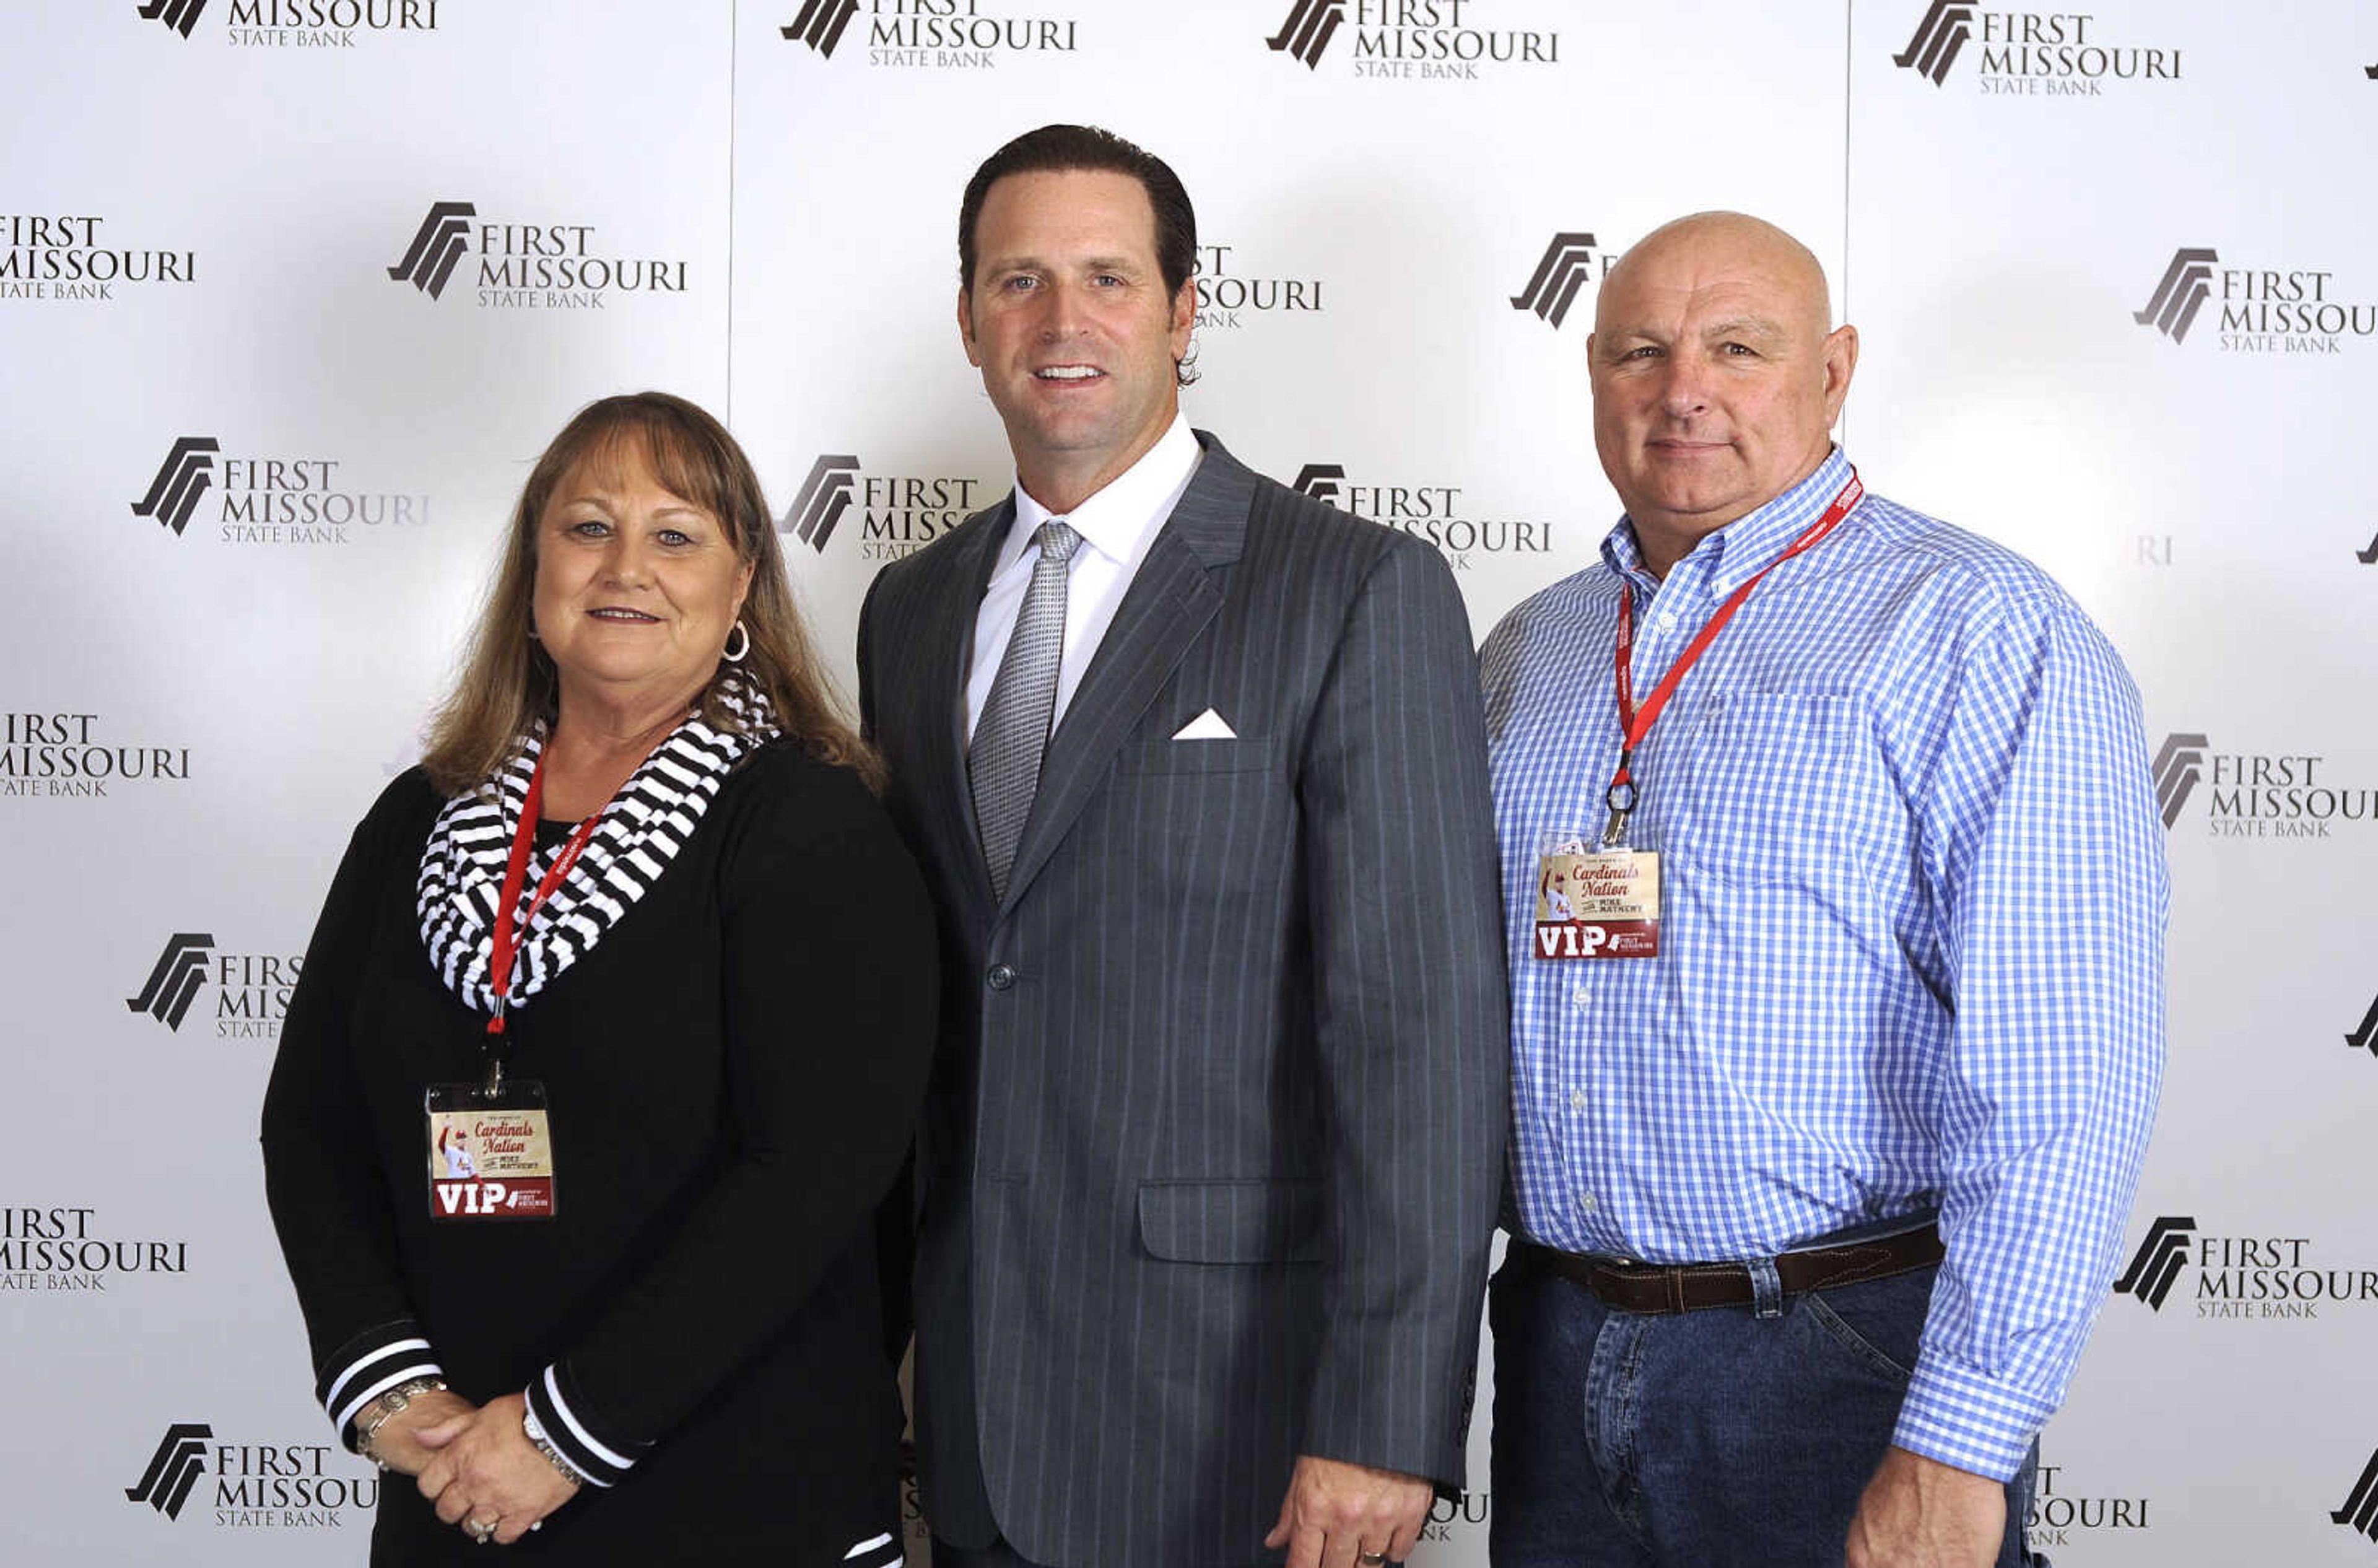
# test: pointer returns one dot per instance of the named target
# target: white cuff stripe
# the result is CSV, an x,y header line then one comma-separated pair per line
x,y
364,1362
561,1408
869,1545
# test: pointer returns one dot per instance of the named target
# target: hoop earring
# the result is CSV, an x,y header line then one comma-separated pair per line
x,y
737,655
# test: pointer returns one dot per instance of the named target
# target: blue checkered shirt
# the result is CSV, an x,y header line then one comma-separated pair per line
x,y
1911,949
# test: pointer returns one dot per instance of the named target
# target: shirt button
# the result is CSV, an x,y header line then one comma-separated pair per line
x,y
1578,996
1577,1099
1588,1202
1667,622
1000,976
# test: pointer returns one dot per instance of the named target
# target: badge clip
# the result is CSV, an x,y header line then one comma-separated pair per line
x,y
497,1046
1620,798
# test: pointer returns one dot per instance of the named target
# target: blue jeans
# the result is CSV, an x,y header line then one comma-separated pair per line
x,y
1704,1439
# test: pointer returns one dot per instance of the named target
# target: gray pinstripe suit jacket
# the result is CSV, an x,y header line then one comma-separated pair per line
x,y
1208,1167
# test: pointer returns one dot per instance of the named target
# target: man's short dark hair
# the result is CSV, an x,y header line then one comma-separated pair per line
x,y
1052,149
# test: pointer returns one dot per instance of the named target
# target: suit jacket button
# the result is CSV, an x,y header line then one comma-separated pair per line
x,y
1001,976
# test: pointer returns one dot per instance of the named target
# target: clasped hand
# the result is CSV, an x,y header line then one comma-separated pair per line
x,y
478,1466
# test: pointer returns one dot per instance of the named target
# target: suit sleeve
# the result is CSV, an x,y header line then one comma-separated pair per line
x,y
1409,989
329,1199
828,967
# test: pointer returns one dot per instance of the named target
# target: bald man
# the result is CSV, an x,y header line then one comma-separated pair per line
x,y
1832,1074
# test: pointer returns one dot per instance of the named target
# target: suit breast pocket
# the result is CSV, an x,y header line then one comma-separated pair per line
x,y
1207,827
1196,757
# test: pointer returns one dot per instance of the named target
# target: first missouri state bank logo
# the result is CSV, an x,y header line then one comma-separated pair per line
x,y
1414,39
898,513
2257,795
2177,766
276,1486
2158,1262
820,24
302,25
2364,1035
2359,1513
826,496
931,34
179,15
182,480
1310,27
252,990
2260,1276
2186,285
173,984
436,246
1434,513
2289,310
1938,37
174,1469
270,497
1569,262
2028,54
527,266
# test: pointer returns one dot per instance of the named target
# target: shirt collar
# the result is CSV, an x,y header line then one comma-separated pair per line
x,y
1120,518
1747,545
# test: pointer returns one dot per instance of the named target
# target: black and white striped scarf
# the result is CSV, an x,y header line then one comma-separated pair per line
x,y
646,823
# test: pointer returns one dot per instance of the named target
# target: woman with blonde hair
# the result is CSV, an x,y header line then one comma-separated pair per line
x,y
638,930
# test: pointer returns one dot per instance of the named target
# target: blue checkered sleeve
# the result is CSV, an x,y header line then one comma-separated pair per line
x,y
2041,843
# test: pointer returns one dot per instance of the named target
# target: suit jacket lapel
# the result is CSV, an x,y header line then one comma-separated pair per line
x,y
1171,599
949,655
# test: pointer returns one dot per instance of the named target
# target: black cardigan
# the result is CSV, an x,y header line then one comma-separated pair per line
x,y
733,1076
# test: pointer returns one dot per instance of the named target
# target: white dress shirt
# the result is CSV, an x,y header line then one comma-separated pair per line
x,y
1117,525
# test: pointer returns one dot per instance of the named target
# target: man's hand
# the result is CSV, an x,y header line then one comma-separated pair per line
x,y
1918,1512
487,1469
1336,1512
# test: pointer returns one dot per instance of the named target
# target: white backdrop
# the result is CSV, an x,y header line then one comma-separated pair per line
x,y
203,210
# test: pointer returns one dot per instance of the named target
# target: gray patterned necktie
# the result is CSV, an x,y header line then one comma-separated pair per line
x,y
1003,765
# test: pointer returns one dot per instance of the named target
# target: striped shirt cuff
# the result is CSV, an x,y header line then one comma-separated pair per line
x,y
598,1456
1960,1417
368,1366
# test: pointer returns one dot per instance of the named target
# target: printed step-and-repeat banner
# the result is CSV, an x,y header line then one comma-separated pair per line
x,y
292,292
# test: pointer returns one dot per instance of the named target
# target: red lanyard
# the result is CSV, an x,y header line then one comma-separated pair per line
x,y
1635,722
512,921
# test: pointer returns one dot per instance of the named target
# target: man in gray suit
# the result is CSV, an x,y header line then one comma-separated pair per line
x,y
1196,767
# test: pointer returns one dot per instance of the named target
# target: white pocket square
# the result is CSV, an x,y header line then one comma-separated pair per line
x,y
1207,725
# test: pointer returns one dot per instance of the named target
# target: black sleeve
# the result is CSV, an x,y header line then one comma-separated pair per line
x,y
895,1219
329,1201
828,965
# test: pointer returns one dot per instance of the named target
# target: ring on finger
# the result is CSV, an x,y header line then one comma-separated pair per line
x,y
1373,1560
481,1530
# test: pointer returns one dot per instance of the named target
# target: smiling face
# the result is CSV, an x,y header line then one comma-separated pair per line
x,y
1068,319
1715,383
636,588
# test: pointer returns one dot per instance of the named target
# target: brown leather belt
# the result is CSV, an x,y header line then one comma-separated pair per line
x,y
1691,1287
